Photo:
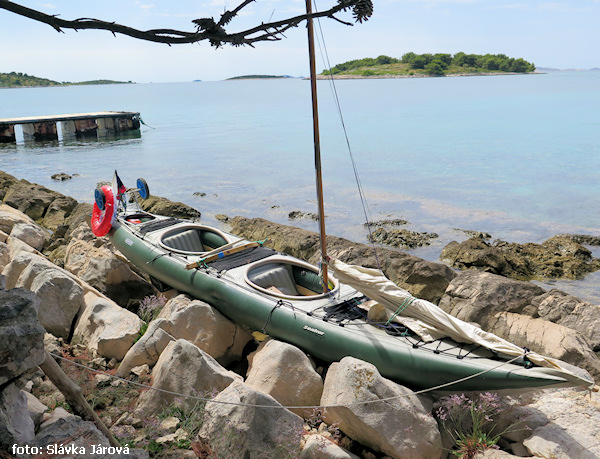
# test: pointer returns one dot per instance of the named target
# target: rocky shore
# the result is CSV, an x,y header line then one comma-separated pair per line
x,y
172,377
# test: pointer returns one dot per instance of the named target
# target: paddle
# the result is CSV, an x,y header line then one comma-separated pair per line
x,y
224,253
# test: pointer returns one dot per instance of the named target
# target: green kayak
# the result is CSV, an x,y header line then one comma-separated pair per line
x,y
283,297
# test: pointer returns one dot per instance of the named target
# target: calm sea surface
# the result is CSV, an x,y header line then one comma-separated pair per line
x,y
515,156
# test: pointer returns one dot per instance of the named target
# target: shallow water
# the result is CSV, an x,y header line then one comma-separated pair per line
x,y
515,156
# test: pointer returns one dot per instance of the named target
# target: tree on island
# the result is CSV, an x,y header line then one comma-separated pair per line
x,y
206,29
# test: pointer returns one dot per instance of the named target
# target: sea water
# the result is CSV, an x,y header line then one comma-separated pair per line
x,y
515,156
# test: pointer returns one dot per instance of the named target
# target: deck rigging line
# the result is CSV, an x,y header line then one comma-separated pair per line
x,y
361,193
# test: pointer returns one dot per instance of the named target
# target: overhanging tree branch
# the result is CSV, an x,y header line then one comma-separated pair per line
x,y
206,28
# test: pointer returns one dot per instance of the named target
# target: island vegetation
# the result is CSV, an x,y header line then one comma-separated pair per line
x,y
439,64
21,80
258,77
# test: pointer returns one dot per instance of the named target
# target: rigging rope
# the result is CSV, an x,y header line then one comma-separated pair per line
x,y
309,407
361,193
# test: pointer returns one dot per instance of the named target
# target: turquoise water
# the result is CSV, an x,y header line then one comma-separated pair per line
x,y
516,156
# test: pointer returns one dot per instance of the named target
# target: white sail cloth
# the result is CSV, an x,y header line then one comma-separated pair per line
x,y
426,319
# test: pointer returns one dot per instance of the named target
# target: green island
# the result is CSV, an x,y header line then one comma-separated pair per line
x,y
22,80
258,77
439,64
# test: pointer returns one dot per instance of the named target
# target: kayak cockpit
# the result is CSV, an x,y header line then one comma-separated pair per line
x,y
288,279
193,239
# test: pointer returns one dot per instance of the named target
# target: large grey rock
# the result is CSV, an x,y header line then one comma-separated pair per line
x,y
204,326
9,217
319,447
148,348
21,335
60,296
106,327
32,235
16,426
547,338
499,305
58,211
4,255
99,267
31,199
83,437
235,428
474,297
569,311
564,424
285,373
194,321
36,409
184,369
401,427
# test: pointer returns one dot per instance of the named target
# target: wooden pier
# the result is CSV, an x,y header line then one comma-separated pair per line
x,y
75,125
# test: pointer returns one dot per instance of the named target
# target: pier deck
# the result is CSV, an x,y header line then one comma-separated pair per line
x,y
74,124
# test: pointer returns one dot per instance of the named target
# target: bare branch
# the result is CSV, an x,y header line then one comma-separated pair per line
x,y
206,28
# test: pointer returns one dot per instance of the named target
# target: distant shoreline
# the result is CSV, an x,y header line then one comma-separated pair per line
x,y
417,75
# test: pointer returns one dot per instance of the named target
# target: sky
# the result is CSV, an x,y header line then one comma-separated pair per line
x,y
562,34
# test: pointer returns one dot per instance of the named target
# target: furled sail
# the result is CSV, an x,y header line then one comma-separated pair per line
x,y
429,321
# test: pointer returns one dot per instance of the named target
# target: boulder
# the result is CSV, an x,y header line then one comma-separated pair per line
x,y
400,427
475,297
520,311
163,206
318,447
16,426
148,348
102,270
562,424
235,428
4,255
30,234
572,312
6,181
60,295
285,373
106,327
423,279
194,321
31,199
9,217
184,369
21,335
548,339
36,409
58,211
205,327
83,437
21,349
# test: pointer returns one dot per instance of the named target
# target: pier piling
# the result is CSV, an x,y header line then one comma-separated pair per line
x,y
76,125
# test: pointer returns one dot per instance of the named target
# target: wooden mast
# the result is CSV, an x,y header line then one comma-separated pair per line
x,y
317,142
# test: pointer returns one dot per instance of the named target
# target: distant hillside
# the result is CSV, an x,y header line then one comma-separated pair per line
x,y
18,80
439,64
258,77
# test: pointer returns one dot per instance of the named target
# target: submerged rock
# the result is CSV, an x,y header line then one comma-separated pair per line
x,y
557,257
401,238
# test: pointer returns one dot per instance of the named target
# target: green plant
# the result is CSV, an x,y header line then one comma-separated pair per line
x,y
150,307
470,422
148,310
